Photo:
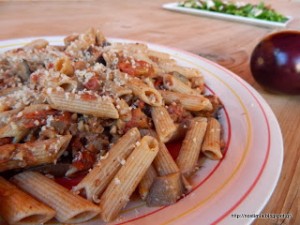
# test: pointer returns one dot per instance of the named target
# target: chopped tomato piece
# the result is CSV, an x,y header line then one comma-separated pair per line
x,y
87,97
38,118
93,84
136,67
138,119
5,140
84,160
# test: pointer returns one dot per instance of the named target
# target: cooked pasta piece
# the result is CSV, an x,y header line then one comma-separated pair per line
x,y
32,153
64,65
21,120
174,84
94,183
173,67
12,129
115,89
70,208
146,182
191,147
164,162
37,44
6,116
164,125
147,94
189,102
118,192
17,207
82,103
124,110
211,147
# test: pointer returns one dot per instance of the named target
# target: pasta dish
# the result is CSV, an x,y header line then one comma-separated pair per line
x,y
104,111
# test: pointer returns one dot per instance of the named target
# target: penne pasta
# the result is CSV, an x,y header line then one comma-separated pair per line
x,y
95,182
146,182
64,65
164,125
189,102
211,147
147,94
164,162
37,44
128,177
191,147
82,103
13,130
176,85
31,154
70,208
115,89
30,211
6,116
185,71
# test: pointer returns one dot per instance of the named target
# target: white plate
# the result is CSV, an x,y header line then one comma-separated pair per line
x,y
174,7
240,184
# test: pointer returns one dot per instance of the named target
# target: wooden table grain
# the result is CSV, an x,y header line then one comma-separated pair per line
x,y
227,43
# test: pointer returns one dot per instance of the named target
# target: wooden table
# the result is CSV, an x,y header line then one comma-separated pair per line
x,y
227,43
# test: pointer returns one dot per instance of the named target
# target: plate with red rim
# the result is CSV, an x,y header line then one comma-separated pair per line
x,y
239,184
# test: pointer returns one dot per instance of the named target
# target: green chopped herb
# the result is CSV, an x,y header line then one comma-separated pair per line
x,y
260,11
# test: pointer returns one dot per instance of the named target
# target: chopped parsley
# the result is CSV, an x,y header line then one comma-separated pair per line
x,y
259,11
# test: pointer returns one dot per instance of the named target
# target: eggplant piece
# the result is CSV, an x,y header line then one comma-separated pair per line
x,y
165,190
57,170
22,70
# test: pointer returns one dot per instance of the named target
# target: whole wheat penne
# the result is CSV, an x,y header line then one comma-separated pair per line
x,y
115,89
8,91
128,177
123,109
185,71
64,65
12,129
146,182
164,125
32,153
198,83
211,145
70,208
37,44
159,56
174,84
65,82
164,162
94,183
82,103
191,147
17,207
189,102
16,128
6,116
147,94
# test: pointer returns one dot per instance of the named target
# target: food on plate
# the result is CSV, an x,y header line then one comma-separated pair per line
x,y
259,11
103,111
275,62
